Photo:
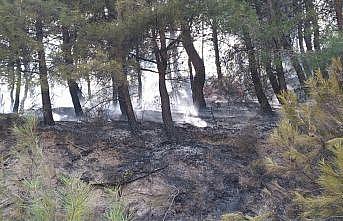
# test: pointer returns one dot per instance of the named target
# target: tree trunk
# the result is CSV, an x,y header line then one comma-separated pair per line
x,y
117,52
191,77
89,89
173,67
301,37
339,14
115,92
274,45
139,78
271,76
12,82
308,35
216,50
17,89
68,59
280,73
312,17
161,55
279,67
123,92
125,101
165,105
294,60
74,93
198,63
255,76
140,87
43,76
26,87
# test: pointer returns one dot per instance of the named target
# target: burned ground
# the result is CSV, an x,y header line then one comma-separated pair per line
x,y
208,172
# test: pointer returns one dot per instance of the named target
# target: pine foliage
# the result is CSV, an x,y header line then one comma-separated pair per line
x,y
309,139
329,204
40,200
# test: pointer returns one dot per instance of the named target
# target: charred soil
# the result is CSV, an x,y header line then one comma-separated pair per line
x,y
208,172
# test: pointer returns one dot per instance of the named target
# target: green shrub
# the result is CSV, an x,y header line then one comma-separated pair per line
x,y
75,196
117,210
38,199
305,151
329,204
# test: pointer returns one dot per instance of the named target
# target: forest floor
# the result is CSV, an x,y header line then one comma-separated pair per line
x,y
208,172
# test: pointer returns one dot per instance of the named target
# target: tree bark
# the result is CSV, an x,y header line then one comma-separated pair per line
x,y
280,73
119,77
43,75
161,55
308,34
140,87
123,92
17,89
301,37
273,45
27,83
216,50
279,66
198,63
271,76
191,77
312,17
255,76
68,59
139,78
339,14
89,89
12,82
115,92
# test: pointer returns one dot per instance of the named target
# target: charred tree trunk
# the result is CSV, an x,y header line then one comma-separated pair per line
x,y
339,14
89,89
165,105
119,77
74,93
279,66
43,75
68,59
271,76
17,89
255,76
161,55
198,63
273,45
280,72
216,50
139,78
140,87
123,92
125,102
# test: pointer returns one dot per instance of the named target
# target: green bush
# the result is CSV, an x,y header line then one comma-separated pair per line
x,y
38,199
309,149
